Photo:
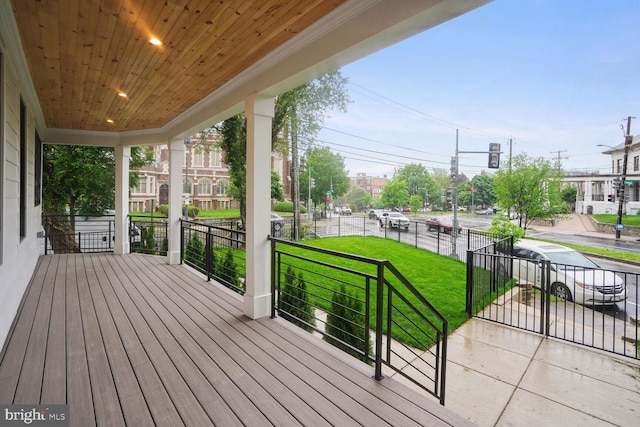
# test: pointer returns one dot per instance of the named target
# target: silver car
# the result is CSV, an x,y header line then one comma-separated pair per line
x,y
394,220
573,277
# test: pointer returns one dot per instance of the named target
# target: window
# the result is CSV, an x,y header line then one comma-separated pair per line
x,y
205,205
142,185
37,184
215,157
23,169
222,186
197,158
619,166
636,163
204,186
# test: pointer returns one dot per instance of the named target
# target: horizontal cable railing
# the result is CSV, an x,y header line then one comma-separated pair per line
x,y
364,307
217,252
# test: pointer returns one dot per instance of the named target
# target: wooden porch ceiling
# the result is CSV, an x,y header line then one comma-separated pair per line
x,y
80,54
83,53
131,340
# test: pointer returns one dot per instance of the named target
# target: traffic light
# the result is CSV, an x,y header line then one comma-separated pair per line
x,y
454,166
443,195
449,195
617,183
494,156
313,182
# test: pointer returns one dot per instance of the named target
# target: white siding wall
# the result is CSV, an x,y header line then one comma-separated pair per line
x,y
19,256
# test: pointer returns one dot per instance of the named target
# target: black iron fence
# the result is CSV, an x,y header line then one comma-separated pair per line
x,y
589,306
363,306
418,233
65,234
215,251
148,235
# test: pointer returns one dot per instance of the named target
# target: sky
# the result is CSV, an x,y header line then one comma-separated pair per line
x,y
556,77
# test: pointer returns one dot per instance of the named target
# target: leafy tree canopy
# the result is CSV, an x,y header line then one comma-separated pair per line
x,y
395,194
327,169
531,187
483,194
277,192
418,180
81,179
358,198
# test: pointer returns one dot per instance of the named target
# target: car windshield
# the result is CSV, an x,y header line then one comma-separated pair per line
x,y
571,258
395,214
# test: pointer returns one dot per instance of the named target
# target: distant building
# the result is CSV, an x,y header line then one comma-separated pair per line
x,y
208,179
596,193
372,184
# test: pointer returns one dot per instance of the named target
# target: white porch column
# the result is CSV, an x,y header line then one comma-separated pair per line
x,y
123,156
257,298
176,160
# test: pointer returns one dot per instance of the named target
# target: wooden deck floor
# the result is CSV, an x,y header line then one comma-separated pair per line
x,y
130,340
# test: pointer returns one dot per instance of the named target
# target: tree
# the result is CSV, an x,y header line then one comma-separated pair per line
x,y
483,193
358,198
81,180
395,193
531,187
329,173
298,114
569,195
442,180
276,187
417,178
415,203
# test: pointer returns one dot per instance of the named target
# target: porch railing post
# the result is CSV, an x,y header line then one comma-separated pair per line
x,y
274,264
208,254
379,312
181,240
470,283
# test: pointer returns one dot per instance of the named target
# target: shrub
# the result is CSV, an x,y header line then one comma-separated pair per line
x,y
346,325
164,209
194,254
229,271
165,246
287,207
294,301
148,240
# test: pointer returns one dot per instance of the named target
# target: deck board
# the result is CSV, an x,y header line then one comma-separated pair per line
x,y
130,340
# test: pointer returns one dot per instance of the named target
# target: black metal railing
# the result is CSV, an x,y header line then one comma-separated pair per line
x,y
65,234
594,307
148,235
417,235
217,252
363,306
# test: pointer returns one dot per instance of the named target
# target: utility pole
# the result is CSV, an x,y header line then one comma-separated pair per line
x,y
628,140
559,158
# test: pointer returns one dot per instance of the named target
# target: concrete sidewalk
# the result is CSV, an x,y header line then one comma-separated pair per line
x,y
501,376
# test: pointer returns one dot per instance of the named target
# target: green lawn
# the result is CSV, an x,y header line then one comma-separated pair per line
x,y
613,219
441,280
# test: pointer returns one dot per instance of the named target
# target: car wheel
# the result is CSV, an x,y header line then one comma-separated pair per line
x,y
442,230
560,291
406,229
277,226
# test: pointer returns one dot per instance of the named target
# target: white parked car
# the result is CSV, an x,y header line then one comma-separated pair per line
x,y
573,276
394,220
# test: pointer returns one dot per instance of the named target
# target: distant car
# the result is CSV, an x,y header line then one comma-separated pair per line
x,y
374,213
488,211
574,277
345,210
394,220
442,224
277,224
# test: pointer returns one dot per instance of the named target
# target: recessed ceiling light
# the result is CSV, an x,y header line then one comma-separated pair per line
x,y
109,120
122,94
155,41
